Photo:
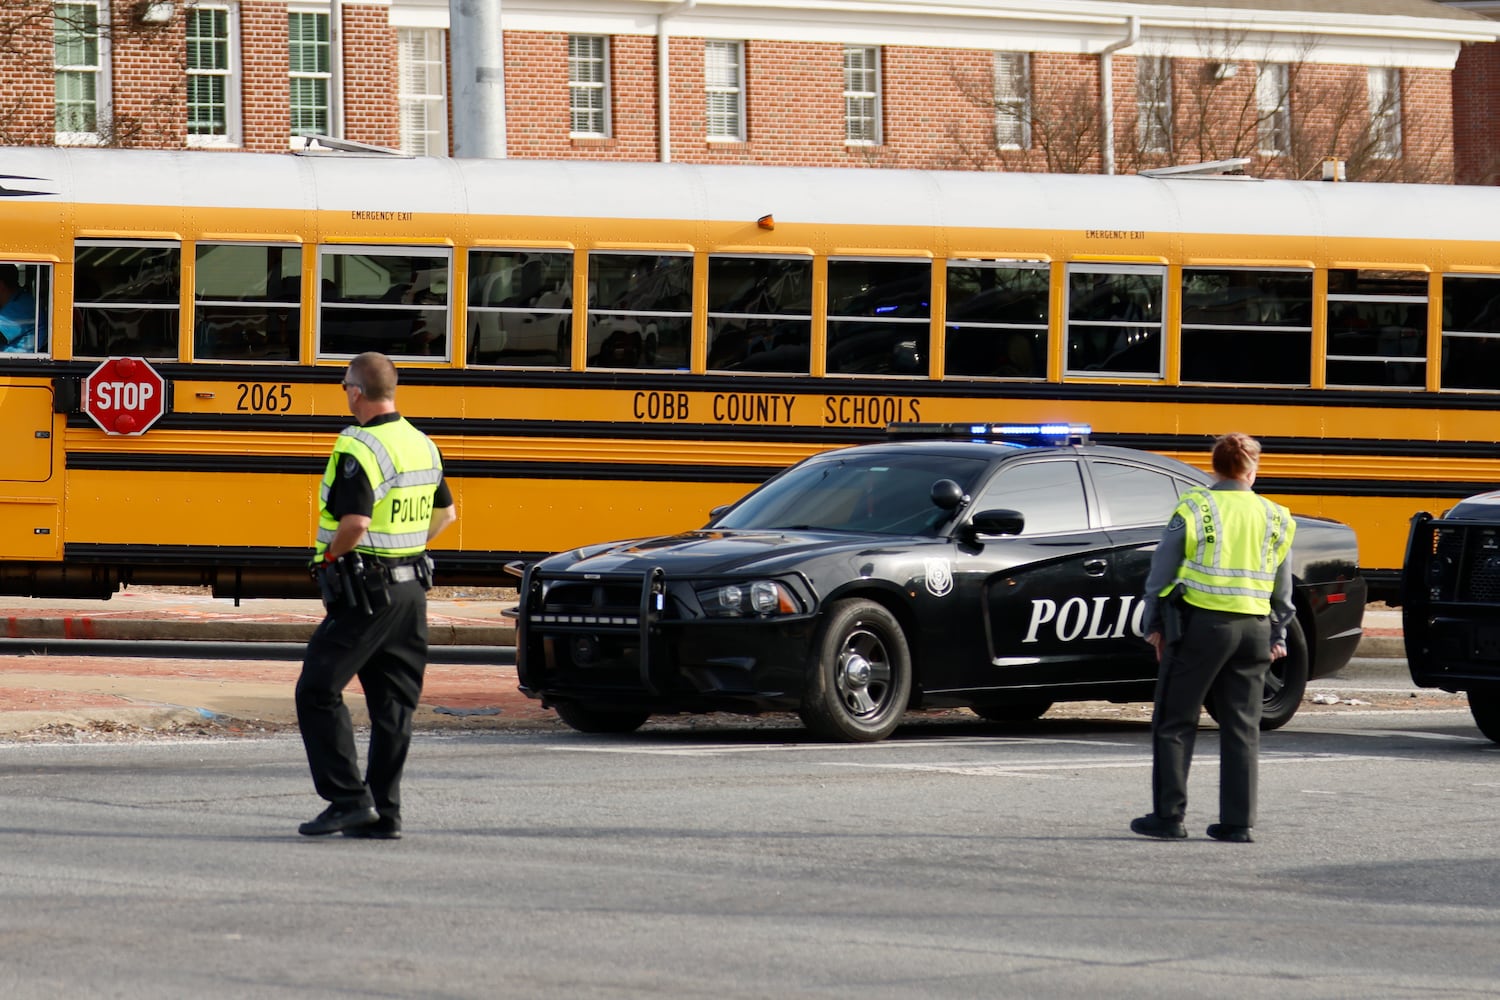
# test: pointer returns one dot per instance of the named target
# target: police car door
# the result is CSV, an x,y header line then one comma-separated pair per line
x,y
1135,500
1041,590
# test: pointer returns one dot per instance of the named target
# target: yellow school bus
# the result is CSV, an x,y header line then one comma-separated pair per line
x,y
611,350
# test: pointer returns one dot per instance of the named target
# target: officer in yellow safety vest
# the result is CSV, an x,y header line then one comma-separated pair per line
x,y
382,500
1217,605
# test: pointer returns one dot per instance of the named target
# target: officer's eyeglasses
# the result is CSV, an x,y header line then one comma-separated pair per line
x,y
352,385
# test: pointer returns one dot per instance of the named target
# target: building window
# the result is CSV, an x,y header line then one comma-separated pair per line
x,y
861,95
311,60
1013,100
1115,320
80,72
125,298
1153,100
1272,108
212,91
724,95
1385,112
421,56
588,86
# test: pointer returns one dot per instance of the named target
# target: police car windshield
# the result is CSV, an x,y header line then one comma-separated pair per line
x,y
883,494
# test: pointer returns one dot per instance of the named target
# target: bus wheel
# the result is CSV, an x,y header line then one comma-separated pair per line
x,y
1286,682
859,678
1012,711
592,719
1484,705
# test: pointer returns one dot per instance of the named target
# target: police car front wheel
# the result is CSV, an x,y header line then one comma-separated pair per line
x,y
592,719
859,678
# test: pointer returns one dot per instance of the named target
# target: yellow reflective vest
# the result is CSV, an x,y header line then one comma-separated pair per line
x,y
1235,541
404,468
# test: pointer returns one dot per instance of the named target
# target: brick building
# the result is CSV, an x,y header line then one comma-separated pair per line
x,y
1476,105
1064,85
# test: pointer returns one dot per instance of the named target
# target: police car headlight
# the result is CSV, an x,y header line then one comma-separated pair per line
x,y
756,599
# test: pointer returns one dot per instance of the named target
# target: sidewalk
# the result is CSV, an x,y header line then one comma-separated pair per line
x,y
96,696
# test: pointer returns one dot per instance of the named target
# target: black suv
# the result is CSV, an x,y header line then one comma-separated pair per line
x,y
998,568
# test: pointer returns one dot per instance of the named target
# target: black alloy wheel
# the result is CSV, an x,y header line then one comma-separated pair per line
x,y
859,678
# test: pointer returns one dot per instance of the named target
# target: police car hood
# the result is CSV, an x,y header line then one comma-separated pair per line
x,y
709,552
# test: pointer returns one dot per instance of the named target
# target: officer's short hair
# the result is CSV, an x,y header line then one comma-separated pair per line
x,y
375,375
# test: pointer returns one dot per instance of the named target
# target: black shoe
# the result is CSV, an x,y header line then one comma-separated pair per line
x,y
384,828
1152,825
336,818
1230,834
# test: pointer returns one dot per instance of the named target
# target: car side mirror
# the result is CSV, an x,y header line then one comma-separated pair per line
x,y
996,522
948,495
715,513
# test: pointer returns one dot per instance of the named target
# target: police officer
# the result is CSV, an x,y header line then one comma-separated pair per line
x,y
1217,605
383,500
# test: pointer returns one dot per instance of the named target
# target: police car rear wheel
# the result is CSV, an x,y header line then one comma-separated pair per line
x,y
1286,682
859,680
589,719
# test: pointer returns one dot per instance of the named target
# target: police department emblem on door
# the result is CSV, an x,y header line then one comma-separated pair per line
x,y
939,577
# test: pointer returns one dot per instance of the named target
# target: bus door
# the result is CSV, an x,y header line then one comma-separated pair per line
x,y
30,496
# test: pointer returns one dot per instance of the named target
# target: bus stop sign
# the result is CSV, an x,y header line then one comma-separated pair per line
x,y
125,396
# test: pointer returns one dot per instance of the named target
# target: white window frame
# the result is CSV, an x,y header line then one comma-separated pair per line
x,y
724,86
327,76
231,75
862,104
1013,100
1385,111
1153,100
101,73
584,92
423,112
1273,108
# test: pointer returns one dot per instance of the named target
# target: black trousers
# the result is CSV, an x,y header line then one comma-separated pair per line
x,y
1225,657
387,651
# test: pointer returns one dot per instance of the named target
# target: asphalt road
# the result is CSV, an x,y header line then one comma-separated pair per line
x,y
957,860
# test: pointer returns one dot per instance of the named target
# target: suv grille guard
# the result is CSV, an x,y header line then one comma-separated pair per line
x,y
648,590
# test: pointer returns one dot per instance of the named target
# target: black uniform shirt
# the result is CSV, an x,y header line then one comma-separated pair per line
x,y
353,493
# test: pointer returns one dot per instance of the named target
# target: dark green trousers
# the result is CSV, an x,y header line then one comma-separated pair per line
x,y
1225,657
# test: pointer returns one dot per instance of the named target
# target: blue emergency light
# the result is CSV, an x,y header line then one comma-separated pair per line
x,y
1023,435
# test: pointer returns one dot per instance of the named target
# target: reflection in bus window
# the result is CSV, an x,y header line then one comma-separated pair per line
x,y
640,310
520,307
1246,326
247,302
393,301
1377,328
759,314
1115,320
1471,332
25,308
878,316
125,299
997,319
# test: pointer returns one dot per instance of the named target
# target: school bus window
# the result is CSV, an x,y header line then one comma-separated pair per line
x,y
640,310
125,299
759,314
1377,328
389,300
996,324
25,308
520,307
1115,319
1471,332
1243,325
878,316
247,302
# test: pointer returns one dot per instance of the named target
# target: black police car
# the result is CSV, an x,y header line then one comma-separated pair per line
x,y
1450,596
998,568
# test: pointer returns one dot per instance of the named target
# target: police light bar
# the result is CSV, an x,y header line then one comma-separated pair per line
x,y
1033,435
